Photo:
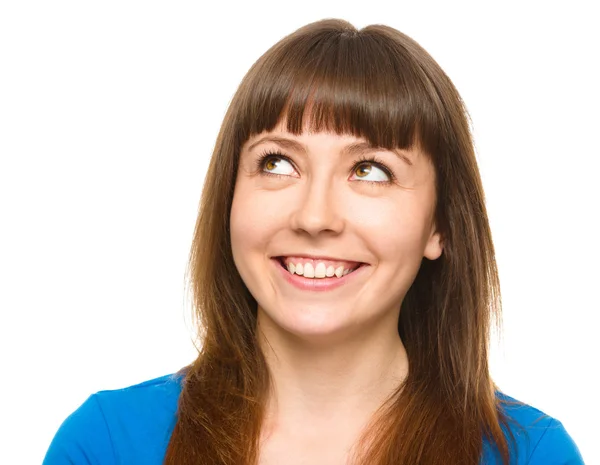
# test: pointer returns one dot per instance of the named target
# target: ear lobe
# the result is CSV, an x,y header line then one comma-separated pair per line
x,y
434,246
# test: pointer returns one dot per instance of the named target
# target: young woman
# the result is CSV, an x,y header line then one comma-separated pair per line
x,y
344,280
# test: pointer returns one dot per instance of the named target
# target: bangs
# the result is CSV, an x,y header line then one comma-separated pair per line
x,y
364,83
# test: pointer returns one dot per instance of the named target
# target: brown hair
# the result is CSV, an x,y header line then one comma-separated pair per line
x,y
379,84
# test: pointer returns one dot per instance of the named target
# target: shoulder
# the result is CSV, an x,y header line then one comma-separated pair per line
x,y
129,425
538,438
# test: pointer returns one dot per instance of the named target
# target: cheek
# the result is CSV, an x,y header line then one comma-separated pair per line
x,y
396,230
241,235
248,218
241,223
400,243
251,226
249,234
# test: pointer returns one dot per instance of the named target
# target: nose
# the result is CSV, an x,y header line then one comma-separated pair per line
x,y
318,208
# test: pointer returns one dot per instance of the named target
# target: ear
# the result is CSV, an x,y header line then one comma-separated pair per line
x,y
434,246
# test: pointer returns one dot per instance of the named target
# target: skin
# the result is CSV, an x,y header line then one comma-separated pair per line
x,y
334,356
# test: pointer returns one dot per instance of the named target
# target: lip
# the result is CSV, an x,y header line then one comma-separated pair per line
x,y
318,284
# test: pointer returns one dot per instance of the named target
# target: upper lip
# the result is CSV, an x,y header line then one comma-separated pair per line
x,y
318,257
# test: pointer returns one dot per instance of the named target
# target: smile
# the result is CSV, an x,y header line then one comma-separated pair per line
x,y
318,269
306,276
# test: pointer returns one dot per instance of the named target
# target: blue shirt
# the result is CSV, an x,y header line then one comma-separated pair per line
x,y
132,426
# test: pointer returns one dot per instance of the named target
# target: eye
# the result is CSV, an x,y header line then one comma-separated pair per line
x,y
268,162
367,167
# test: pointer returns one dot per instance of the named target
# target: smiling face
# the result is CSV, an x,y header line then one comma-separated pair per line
x,y
313,195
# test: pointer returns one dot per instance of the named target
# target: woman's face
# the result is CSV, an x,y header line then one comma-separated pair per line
x,y
318,202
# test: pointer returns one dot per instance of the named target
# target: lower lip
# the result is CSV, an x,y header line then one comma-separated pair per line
x,y
317,284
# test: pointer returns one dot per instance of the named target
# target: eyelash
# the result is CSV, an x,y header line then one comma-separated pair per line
x,y
260,162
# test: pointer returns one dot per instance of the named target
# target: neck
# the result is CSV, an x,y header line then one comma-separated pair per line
x,y
339,382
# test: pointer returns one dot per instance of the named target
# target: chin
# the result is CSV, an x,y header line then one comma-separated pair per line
x,y
312,325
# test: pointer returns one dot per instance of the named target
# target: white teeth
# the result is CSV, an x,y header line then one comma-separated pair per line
x,y
320,271
308,271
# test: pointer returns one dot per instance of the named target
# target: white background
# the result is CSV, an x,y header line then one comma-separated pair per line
x,y
108,115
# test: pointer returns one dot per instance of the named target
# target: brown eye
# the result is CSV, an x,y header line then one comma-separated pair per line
x,y
269,162
370,167
272,163
364,168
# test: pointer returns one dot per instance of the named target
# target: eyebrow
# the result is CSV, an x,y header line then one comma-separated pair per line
x,y
355,148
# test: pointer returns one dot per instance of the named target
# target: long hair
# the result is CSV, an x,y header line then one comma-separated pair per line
x,y
379,84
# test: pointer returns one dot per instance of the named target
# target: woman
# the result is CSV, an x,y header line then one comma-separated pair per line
x,y
344,280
